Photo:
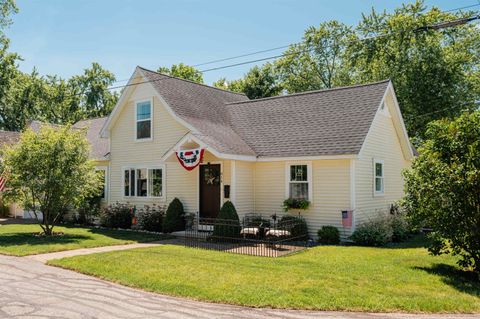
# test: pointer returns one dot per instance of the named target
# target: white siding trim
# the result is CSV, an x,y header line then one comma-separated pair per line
x,y
309,178
147,167
305,158
136,102
375,192
233,182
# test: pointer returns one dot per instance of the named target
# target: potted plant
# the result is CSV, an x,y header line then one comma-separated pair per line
x,y
293,203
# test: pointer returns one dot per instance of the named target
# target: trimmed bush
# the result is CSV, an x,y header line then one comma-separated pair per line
x,y
228,222
376,232
151,218
400,228
175,217
296,225
329,235
117,215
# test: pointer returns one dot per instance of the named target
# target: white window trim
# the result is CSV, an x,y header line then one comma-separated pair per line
x,y
147,167
151,120
375,192
105,181
309,178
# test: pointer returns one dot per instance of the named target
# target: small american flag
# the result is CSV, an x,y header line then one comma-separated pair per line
x,y
3,182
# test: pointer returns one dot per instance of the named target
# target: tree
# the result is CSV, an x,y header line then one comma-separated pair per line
x,y
435,72
259,82
50,172
183,71
443,188
318,61
7,8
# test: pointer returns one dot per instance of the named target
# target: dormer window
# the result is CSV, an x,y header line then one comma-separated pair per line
x,y
143,116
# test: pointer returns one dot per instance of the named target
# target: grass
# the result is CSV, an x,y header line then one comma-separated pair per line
x,y
400,278
18,240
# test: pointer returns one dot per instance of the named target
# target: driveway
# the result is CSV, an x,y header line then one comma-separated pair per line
x,y
30,289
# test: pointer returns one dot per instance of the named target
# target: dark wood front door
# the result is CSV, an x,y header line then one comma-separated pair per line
x,y
209,190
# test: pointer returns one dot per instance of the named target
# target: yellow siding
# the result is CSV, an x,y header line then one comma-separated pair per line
x,y
125,151
382,143
330,185
244,187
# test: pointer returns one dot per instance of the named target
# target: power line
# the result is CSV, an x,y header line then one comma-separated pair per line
x,y
278,48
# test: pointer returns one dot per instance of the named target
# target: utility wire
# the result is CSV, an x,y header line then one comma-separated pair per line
x,y
438,26
277,48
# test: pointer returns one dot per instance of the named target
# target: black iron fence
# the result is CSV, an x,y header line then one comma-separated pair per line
x,y
252,235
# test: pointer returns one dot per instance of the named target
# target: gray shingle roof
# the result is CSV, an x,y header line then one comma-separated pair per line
x,y
9,137
99,146
325,122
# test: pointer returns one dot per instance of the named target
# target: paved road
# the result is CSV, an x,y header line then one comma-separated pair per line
x,y
30,289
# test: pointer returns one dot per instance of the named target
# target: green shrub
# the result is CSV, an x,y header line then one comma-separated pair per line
x,y
329,235
151,218
117,215
400,228
175,217
376,232
228,224
296,225
292,203
4,210
88,210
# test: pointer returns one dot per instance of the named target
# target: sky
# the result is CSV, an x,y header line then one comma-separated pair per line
x,y
64,37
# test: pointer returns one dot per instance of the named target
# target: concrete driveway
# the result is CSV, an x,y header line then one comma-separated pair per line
x,y
30,289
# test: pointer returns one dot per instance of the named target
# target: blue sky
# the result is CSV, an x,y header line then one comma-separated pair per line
x,y
64,37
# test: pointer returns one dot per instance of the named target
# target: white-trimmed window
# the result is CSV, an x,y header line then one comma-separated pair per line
x,y
299,181
143,182
102,171
378,177
143,120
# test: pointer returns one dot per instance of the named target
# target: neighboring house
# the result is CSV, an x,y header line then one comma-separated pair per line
x,y
99,151
343,149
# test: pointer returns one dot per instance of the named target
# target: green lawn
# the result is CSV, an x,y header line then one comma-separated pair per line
x,y
402,278
19,240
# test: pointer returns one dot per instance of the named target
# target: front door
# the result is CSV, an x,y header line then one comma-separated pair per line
x,y
209,190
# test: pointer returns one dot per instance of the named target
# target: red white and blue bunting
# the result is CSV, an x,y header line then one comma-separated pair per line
x,y
190,159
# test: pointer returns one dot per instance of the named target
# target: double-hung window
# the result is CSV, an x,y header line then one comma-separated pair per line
x,y
143,182
299,185
378,177
143,116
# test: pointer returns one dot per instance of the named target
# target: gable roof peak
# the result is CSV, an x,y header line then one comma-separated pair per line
x,y
189,81
338,88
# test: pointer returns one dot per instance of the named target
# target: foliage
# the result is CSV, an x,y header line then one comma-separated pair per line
x,y
442,188
7,7
183,71
296,225
23,239
117,215
228,223
400,228
433,71
375,232
151,218
259,82
293,203
89,209
4,209
49,172
318,61
329,235
174,217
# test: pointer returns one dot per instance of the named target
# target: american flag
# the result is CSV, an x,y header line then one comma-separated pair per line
x,y
3,182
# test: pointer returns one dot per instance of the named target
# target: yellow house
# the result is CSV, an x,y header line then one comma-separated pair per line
x,y
342,149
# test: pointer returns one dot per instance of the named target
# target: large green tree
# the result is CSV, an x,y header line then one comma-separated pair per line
x,y
443,188
182,71
50,172
319,60
259,82
435,72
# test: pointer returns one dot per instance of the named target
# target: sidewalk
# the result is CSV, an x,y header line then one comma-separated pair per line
x,y
86,251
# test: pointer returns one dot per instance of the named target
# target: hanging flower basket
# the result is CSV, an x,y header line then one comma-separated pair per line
x,y
292,203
